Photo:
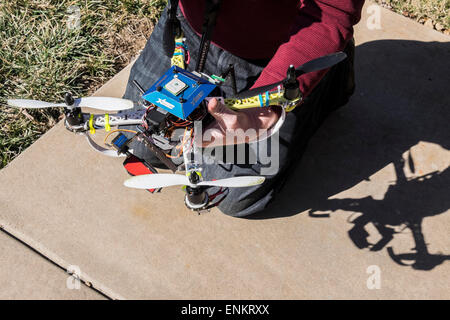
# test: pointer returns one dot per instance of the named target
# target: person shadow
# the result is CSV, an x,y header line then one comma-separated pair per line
x,y
401,99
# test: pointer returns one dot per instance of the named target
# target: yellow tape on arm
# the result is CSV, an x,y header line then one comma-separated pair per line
x,y
276,98
107,126
91,124
178,55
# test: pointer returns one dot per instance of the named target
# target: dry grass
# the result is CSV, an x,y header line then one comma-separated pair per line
x,y
433,13
41,58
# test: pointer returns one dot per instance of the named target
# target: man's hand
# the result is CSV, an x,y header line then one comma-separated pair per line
x,y
242,126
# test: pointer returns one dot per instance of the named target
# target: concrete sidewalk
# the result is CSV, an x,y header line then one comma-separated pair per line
x,y
25,274
377,169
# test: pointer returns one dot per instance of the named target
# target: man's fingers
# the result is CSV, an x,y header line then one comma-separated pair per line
x,y
218,110
212,105
225,117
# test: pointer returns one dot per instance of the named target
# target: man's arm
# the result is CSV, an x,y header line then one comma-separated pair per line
x,y
322,27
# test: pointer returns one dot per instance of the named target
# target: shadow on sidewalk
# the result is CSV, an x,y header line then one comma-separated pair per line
x,y
401,99
404,205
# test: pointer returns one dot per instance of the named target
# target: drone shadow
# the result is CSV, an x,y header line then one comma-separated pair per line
x,y
401,99
405,203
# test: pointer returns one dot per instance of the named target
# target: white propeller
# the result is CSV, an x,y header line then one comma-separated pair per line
x,y
154,181
235,182
100,103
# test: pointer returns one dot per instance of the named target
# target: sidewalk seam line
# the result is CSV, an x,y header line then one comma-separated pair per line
x,y
57,261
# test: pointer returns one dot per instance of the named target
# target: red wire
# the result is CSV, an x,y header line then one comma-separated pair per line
x,y
188,57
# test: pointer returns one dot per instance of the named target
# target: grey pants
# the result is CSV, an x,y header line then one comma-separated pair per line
x,y
331,93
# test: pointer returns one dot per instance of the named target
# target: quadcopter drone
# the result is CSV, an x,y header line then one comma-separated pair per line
x,y
165,118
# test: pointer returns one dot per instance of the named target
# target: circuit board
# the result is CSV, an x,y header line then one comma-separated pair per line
x,y
179,92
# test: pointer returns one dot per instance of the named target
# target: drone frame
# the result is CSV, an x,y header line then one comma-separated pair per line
x,y
287,96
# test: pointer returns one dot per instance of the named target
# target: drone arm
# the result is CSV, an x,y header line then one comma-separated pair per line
x,y
179,54
119,119
258,101
105,121
263,100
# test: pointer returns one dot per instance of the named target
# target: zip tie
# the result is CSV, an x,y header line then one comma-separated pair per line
x,y
267,98
107,126
261,102
91,124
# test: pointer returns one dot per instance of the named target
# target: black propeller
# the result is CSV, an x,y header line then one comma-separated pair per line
x,y
310,66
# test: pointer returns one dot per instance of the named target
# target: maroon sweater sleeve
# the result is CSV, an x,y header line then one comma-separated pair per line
x,y
321,27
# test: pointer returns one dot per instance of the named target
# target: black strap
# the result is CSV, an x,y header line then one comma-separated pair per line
x,y
172,28
172,9
211,10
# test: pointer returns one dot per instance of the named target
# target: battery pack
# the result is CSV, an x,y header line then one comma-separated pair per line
x,y
120,143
